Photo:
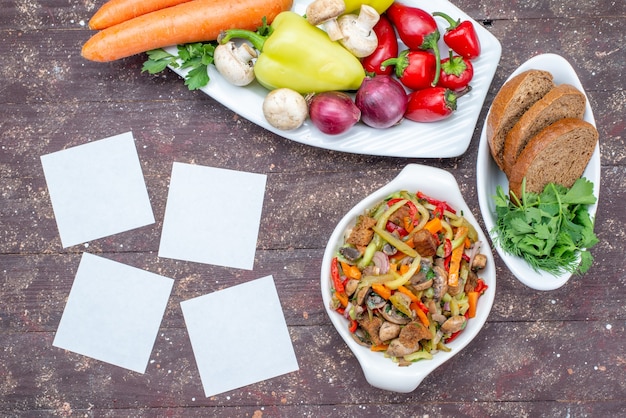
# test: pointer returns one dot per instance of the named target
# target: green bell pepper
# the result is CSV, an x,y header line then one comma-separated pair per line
x,y
300,56
353,6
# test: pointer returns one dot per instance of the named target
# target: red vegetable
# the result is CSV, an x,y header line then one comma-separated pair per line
x,y
480,286
382,101
334,274
353,325
387,48
456,72
333,112
415,69
432,104
441,205
461,37
417,29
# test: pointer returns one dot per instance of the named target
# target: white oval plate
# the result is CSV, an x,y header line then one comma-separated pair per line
x,y
380,371
448,138
489,176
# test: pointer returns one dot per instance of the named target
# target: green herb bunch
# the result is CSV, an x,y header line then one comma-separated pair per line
x,y
196,56
552,231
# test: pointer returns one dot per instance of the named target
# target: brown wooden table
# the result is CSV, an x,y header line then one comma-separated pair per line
x,y
556,354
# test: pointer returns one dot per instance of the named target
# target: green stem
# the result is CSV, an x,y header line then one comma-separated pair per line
x,y
453,23
255,39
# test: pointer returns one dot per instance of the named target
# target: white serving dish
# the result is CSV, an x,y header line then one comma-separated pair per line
x,y
489,176
380,371
448,138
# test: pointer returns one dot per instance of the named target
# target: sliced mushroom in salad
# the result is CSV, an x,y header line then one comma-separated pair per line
x,y
406,277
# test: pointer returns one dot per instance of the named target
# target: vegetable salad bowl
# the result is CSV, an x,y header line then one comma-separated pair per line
x,y
379,370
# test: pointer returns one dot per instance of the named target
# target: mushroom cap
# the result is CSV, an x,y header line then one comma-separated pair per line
x,y
320,11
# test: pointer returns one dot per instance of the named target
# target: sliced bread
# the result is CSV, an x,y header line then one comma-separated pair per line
x,y
558,154
514,98
563,101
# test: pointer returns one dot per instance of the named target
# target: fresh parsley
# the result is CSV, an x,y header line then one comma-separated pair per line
x,y
195,56
552,230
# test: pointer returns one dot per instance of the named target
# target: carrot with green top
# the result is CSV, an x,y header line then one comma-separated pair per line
x,y
193,21
117,11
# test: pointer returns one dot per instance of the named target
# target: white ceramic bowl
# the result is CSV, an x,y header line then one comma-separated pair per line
x,y
380,371
489,176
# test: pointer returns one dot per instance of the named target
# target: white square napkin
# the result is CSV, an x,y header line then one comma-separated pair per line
x,y
239,336
97,189
113,312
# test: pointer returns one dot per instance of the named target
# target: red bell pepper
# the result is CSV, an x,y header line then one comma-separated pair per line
x,y
387,48
447,248
417,29
392,227
432,104
415,69
436,202
480,286
456,72
461,37
334,274
353,325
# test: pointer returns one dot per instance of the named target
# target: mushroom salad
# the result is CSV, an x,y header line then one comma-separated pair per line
x,y
406,277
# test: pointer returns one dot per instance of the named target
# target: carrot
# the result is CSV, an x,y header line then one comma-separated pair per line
x,y
194,21
408,223
117,11
382,290
433,226
472,298
455,266
351,271
455,259
342,298
420,314
404,268
407,292
379,347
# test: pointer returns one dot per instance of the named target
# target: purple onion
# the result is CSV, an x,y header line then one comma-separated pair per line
x,y
382,101
333,112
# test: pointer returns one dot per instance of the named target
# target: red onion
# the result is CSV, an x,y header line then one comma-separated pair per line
x,y
333,112
382,101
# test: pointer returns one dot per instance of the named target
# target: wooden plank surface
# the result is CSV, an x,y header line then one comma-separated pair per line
x,y
555,354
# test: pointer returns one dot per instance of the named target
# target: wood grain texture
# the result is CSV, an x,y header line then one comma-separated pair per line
x,y
554,354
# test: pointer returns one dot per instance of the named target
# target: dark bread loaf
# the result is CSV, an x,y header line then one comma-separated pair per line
x,y
563,101
558,154
514,98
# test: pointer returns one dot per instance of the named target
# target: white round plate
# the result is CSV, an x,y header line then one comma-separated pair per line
x,y
380,371
448,138
489,176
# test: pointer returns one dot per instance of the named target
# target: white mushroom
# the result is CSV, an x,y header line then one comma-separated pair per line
x,y
454,324
235,63
358,34
325,13
388,330
285,109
